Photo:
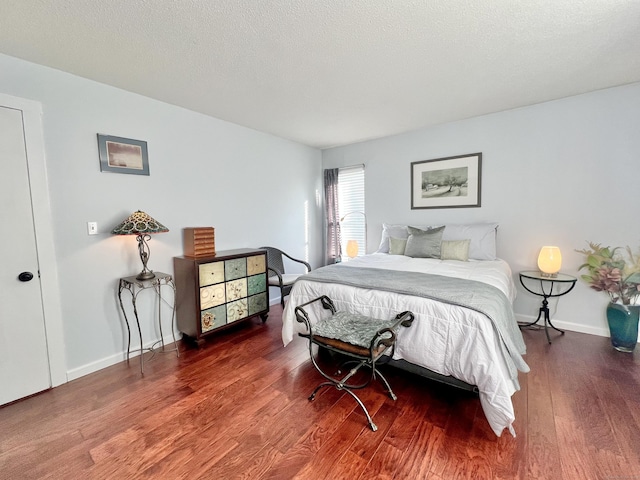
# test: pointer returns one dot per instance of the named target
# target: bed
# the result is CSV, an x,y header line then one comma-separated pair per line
x,y
472,338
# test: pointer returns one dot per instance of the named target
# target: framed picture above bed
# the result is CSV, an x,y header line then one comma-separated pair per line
x,y
449,182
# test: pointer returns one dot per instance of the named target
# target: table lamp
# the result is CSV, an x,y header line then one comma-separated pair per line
x,y
549,261
352,245
352,248
142,225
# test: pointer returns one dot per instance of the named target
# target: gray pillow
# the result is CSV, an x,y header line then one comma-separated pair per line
x,y
424,244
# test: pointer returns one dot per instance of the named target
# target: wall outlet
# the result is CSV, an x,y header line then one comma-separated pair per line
x,y
92,228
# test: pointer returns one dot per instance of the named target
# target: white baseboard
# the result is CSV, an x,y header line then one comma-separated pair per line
x,y
573,327
274,301
122,356
113,359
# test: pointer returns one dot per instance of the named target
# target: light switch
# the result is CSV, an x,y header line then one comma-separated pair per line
x,y
92,228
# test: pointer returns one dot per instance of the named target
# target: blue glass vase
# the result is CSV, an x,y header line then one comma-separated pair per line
x,y
623,326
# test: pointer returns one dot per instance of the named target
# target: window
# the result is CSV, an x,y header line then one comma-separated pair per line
x,y
353,222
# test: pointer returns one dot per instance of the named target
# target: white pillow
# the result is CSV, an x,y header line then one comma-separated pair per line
x,y
482,236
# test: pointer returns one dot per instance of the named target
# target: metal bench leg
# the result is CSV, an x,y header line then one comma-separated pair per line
x,y
373,426
342,385
386,384
376,373
325,384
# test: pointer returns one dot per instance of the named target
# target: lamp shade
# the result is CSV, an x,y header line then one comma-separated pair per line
x,y
139,222
352,248
142,225
549,260
355,229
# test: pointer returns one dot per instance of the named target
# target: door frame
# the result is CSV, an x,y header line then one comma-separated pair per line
x,y
43,229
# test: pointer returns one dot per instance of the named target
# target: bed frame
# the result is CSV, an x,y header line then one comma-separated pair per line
x,y
431,375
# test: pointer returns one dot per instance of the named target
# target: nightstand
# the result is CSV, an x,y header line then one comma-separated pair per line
x,y
135,286
543,286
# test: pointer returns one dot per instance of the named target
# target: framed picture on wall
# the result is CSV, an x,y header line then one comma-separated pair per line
x,y
123,155
449,182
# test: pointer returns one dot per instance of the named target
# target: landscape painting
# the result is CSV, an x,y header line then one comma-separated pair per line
x,y
123,155
447,182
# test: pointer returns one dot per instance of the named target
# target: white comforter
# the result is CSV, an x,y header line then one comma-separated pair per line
x,y
446,339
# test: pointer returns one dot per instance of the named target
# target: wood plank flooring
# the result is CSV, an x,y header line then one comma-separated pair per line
x,y
238,408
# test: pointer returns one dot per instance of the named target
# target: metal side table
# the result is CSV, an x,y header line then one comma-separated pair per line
x,y
135,286
562,282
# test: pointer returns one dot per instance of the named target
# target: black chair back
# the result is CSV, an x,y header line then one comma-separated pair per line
x,y
274,259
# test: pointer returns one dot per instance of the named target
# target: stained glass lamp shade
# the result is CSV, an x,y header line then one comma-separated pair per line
x,y
142,225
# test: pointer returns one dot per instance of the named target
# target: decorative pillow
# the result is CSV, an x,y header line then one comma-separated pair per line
x,y
395,231
455,250
424,244
397,246
482,236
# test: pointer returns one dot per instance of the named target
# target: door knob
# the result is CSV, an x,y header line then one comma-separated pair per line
x,y
25,276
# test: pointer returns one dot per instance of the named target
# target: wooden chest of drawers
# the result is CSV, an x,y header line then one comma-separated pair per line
x,y
215,292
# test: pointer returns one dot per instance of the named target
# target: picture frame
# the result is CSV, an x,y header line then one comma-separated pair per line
x,y
123,155
448,182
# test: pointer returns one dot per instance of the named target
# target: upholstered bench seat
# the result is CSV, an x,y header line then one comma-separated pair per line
x,y
352,331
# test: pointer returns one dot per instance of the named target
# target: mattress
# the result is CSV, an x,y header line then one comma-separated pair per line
x,y
448,339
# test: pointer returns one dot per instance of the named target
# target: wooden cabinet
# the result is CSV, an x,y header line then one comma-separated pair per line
x,y
214,292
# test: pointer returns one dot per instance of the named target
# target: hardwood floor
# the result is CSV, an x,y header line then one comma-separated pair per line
x,y
238,408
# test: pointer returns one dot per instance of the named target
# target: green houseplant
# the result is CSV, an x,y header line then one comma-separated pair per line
x,y
618,275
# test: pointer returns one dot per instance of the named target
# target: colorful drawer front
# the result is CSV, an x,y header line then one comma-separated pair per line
x,y
212,295
256,264
236,289
237,310
235,268
257,303
211,273
213,318
257,284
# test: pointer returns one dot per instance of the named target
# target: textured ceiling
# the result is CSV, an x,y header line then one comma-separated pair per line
x,y
333,72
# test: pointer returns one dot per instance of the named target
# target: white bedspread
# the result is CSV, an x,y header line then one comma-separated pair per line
x,y
446,339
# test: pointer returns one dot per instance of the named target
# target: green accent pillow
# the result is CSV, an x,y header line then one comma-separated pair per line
x,y
397,246
424,244
455,250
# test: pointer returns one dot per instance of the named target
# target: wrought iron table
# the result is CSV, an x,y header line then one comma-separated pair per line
x,y
564,284
135,286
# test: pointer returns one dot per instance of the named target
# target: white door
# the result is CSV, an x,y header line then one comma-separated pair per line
x,y
24,360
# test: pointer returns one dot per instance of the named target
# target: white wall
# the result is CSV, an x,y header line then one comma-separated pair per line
x,y
254,188
558,173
